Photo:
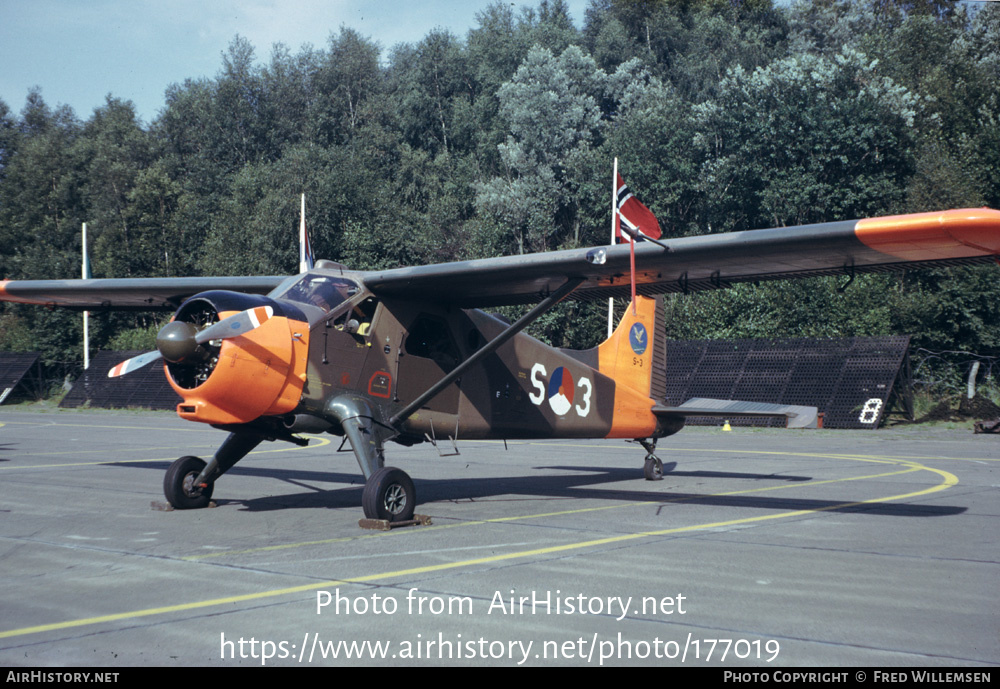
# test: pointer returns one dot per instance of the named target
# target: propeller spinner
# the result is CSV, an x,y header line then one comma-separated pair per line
x,y
180,341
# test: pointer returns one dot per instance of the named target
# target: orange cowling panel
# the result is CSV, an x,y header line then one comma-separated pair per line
x,y
259,374
627,358
933,236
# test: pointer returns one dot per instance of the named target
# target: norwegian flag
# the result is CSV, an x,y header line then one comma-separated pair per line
x,y
634,216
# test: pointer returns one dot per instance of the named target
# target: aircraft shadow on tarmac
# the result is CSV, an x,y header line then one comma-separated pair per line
x,y
560,487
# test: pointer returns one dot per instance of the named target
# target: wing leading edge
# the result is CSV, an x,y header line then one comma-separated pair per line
x,y
710,261
127,294
689,264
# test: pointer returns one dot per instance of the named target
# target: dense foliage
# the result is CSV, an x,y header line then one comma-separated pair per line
x,y
724,114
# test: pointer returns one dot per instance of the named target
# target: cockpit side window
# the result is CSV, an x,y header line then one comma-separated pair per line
x,y
320,290
358,320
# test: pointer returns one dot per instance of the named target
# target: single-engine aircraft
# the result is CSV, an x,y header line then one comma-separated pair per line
x,y
408,355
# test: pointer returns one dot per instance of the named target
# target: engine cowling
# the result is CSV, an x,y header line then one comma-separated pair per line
x,y
239,379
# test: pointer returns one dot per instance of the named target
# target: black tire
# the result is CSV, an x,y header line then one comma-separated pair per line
x,y
178,488
652,469
389,494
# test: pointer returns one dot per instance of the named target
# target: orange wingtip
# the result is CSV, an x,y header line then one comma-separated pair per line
x,y
933,236
6,296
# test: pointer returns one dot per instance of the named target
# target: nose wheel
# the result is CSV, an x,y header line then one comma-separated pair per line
x,y
389,494
179,486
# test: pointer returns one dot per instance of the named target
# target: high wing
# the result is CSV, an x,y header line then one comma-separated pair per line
x,y
127,294
890,243
689,264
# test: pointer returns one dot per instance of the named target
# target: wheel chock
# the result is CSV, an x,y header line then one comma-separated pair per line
x,y
161,506
386,525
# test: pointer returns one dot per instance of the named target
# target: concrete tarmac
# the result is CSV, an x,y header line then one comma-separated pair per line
x,y
762,548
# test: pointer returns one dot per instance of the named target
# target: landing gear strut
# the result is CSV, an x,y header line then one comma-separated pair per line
x,y
389,493
189,481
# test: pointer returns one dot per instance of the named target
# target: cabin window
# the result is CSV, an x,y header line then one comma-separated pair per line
x,y
358,320
430,338
320,290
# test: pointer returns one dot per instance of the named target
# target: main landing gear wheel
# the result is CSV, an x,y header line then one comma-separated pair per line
x,y
179,488
390,495
652,469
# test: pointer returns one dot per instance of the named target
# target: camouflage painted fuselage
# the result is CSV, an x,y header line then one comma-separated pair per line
x,y
525,389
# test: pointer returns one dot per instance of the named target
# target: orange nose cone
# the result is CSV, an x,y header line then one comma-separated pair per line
x,y
960,233
258,374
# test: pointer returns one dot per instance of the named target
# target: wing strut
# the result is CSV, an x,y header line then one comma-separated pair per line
x,y
519,325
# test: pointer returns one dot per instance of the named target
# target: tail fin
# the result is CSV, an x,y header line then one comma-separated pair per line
x,y
636,353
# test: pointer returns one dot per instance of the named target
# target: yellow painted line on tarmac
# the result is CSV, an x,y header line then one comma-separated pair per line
x,y
696,497
321,442
671,451
539,515
561,513
949,480
105,451
287,546
181,429
918,458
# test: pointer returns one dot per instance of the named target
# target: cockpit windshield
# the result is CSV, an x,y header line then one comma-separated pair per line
x,y
319,290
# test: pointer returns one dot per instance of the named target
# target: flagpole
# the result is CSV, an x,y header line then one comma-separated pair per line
x,y
631,253
85,273
302,236
614,216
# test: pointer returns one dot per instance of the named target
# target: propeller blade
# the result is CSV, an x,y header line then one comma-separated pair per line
x,y
237,324
133,364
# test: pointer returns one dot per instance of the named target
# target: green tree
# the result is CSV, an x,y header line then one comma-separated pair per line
x,y
653,134
804,140
343,86
9,136
113,150
435,92
552,106
549,26
808,308
41,211
289,82
40,198
495,48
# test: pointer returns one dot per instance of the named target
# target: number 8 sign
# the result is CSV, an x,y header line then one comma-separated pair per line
x,y
869,413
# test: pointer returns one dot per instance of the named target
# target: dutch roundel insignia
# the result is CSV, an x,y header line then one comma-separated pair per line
x,y
561,391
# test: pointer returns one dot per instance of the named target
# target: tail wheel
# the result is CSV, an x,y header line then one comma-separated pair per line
x,y
389,494
179,487
653,468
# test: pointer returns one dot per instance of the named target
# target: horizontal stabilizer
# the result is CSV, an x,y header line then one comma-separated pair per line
x,y
797,416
